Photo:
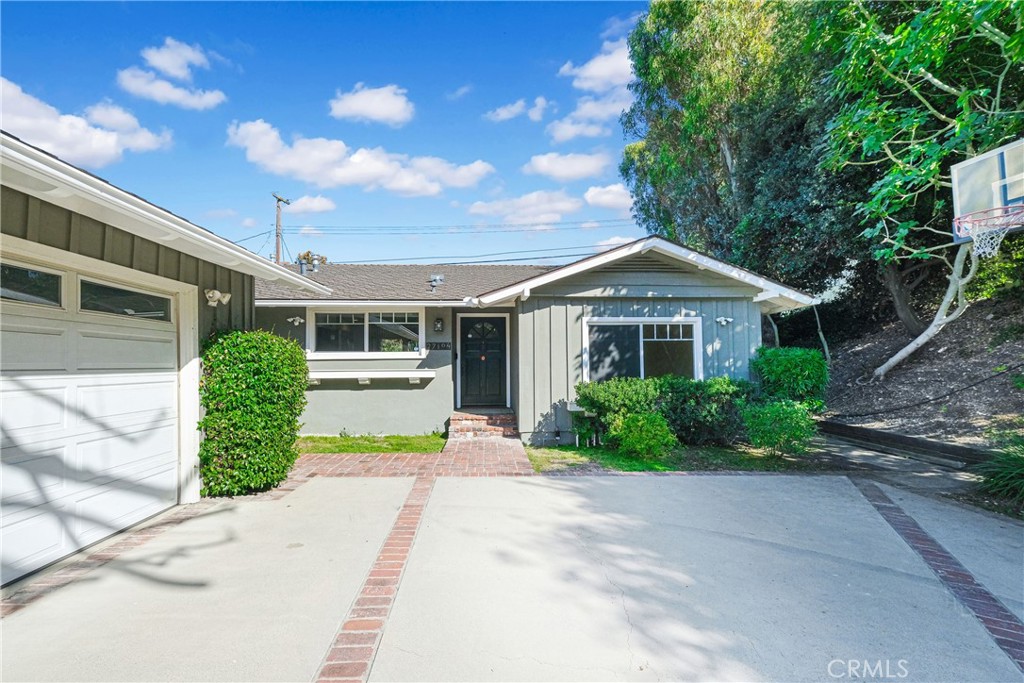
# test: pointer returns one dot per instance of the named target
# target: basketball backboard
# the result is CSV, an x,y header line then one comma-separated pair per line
x,y
982,185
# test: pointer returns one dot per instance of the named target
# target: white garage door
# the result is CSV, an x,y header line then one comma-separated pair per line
x,y
89,411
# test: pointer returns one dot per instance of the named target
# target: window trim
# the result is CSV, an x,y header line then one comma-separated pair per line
x,y
639,322
313,354
79,277
65,290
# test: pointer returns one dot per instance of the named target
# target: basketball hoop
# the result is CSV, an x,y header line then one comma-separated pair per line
x,y
988,227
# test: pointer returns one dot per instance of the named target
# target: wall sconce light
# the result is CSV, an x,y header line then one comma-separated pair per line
x,y
215,296
295,321
438,324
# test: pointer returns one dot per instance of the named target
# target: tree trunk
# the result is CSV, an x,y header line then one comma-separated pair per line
x,y
775,329
900,294
958,282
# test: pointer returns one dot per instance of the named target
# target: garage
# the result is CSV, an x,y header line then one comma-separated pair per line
x,y
104,301
88,407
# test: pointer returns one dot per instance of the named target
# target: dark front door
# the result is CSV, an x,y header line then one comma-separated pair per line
x,y
482,345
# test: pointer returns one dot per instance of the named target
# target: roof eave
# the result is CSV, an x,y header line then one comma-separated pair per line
x,y
30,170
787,297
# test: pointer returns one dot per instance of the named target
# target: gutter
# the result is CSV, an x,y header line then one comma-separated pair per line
x,y
30,170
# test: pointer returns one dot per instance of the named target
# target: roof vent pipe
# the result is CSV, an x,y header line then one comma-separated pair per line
x,y
302,267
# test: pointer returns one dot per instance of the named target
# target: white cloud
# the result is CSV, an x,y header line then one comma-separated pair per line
x,y
221,213
176,59
536,112
387,104
308,204
607,70
249,223
566,129
615,197
567,167
590,225
310,231
509,111
606,76
149,86
97,139
459,92
541,207
327,163
613,242
617,27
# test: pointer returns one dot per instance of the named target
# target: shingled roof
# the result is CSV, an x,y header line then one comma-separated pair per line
x,y
406,282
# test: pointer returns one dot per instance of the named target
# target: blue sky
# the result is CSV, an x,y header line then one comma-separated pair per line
x,y
378,114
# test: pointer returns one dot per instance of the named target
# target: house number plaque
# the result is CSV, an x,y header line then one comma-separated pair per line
x,y
439,346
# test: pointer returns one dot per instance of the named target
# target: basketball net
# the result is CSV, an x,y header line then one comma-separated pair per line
x,y
988,228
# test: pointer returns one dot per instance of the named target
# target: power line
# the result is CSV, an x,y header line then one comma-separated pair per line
x,y
534,225
479,256
252,237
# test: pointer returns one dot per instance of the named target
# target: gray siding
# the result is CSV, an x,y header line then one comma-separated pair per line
x,y
38,221
551,348
385,406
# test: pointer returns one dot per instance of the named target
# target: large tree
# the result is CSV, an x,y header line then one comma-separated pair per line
x,y
730,118
924,85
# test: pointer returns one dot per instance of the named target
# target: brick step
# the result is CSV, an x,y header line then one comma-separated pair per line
x,y
495,419
510,433
496,429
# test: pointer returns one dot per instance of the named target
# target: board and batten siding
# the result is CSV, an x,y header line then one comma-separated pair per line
x,y
35,220
550,331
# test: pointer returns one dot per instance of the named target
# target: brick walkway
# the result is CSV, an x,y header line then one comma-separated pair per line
x,y
476,457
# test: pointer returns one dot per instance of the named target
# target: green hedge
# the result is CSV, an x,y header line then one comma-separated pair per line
x,y
779,427
703,412
253,390
697,412
792,373
643,435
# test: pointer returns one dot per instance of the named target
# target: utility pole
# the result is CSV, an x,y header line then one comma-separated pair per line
x,y
277,232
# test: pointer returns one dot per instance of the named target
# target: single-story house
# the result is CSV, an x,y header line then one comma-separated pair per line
x,y
104,299
398,349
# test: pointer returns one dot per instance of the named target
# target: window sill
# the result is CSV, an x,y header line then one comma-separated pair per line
x,y
365,355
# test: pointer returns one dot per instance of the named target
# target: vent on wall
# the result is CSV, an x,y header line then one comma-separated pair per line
x,y
642,264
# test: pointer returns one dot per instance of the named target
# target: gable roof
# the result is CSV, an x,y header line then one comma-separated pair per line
x,y
774,296
356,283
38,173
490,285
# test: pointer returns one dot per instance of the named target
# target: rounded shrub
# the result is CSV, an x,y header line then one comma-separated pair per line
x,y
792,373
779,427
704,411
612,399
643,435
253,390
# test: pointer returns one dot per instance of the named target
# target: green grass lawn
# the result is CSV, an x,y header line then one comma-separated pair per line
x,y
424,443
682,459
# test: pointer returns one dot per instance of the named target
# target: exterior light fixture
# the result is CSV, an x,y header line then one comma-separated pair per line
x,y
215,297
295,321
438,324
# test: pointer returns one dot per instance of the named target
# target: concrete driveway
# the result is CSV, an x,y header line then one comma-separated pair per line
x,y
543,579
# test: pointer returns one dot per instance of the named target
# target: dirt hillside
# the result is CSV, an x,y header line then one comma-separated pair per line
x,y
989,338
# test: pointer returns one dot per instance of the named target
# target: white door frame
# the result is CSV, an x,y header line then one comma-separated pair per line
x,y
458,354
186,308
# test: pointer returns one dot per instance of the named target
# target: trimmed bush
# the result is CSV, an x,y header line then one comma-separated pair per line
x,y
792,373
612,399
254,390
779,427
642,435
1003,475
702,412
